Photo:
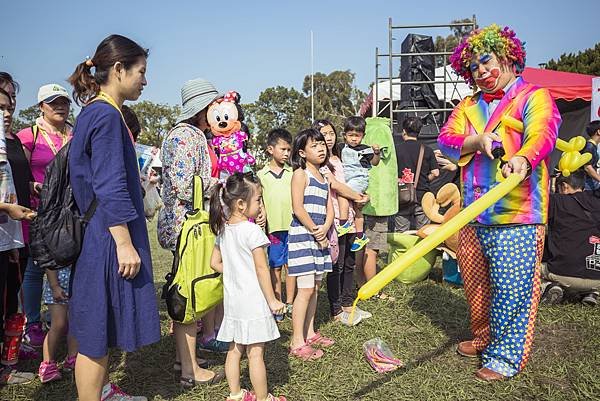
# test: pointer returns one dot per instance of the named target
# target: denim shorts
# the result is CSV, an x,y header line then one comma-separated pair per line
x,y
278,250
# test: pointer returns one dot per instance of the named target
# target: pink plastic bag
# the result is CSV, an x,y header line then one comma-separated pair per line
x,y
380,357
334,247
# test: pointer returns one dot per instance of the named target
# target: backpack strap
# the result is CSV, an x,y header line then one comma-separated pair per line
x,y
197,193
35,130
91,210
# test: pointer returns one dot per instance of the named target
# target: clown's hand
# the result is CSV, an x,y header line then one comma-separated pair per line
x,y
485,141
517,164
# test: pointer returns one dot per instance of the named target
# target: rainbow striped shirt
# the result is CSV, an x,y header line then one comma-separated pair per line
x,y
527,120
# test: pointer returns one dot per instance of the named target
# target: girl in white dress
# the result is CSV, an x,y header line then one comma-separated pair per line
x,y
249,300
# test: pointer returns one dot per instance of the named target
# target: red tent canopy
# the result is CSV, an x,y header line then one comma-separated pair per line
x,y
562,85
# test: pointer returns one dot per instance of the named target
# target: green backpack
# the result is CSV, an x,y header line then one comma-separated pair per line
x,y
192,288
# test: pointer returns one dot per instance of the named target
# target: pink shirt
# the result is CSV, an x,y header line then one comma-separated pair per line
x,y
42,153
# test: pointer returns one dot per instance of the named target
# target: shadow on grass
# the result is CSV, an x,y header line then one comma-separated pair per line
x,y
277,361
446,310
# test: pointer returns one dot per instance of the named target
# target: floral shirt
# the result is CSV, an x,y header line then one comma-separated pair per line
x,y
184,154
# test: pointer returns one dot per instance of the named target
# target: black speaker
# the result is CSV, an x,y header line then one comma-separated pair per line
x,y
417,68
432,121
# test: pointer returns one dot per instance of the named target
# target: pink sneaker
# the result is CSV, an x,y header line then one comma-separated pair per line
x,y
34,335
69,363
114,393
246,396
27,352
49,372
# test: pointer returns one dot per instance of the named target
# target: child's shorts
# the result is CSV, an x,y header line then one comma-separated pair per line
x,y
359,184
64,275
308,280
278,250
376,228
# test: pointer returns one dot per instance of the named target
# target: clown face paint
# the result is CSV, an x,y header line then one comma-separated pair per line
x,y
489,73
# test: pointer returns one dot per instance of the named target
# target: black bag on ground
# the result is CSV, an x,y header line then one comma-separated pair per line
x,y
57,231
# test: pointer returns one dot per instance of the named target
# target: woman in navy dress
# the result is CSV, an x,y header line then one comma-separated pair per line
x,y
113,301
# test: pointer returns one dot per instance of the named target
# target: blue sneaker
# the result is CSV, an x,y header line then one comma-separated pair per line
x,y
344,229
359,243
214,345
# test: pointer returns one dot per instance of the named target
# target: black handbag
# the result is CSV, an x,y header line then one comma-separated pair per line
x,y
407,192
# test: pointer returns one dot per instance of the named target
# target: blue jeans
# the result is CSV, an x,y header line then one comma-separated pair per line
x,y
32,292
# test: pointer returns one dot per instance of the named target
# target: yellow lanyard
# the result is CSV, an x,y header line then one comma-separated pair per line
x,y
108,99
50,142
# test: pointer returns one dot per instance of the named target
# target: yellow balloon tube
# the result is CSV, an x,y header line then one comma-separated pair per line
x,y
383,278
562,145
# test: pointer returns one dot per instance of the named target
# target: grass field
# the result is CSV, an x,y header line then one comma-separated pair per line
x,y
422,327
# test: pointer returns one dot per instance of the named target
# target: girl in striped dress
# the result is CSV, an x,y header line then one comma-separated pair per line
x,y
309,254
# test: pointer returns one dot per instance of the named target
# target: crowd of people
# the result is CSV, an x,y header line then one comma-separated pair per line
x,y
306,216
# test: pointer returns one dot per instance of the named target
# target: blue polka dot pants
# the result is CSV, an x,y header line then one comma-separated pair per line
x,y
500,267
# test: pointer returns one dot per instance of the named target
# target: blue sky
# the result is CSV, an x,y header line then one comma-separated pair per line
x,y
250,46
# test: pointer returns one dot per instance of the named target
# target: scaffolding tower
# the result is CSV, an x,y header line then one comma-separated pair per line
x,y
388,107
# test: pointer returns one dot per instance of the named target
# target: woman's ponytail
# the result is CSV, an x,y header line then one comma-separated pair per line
x,y
84,84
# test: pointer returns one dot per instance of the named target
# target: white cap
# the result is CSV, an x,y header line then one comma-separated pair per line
x,y
49,93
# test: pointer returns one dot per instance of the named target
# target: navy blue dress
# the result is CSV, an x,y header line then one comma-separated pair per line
x,y
106,310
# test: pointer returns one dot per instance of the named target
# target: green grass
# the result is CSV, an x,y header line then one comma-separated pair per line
x,y
422,328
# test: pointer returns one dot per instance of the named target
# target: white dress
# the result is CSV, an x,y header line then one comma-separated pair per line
x,y
247,318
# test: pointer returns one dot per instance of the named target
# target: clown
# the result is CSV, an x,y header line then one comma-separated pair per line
x,y
500,251
229,140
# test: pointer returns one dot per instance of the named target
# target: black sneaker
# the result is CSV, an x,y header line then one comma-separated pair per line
x,y
553,295
590,299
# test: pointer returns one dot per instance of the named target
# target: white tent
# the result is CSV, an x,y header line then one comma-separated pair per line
x,y
454,91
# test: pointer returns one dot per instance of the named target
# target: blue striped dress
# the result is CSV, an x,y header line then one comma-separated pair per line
x,y
306,256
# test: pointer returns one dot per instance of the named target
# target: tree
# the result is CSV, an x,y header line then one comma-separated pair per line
x,y
584,62
26,118
155,119
336,97
448,43
275,107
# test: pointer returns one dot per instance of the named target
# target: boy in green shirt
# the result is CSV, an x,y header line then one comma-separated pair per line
x,y
276,180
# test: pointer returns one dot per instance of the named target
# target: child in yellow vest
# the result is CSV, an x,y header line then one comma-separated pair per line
x,y
276,178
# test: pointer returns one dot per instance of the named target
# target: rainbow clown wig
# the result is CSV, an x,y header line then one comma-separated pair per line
x,y
491,39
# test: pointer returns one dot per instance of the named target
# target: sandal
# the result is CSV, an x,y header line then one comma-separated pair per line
x,y
319,339
189,382
385,297
271,397
306,352
203,363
